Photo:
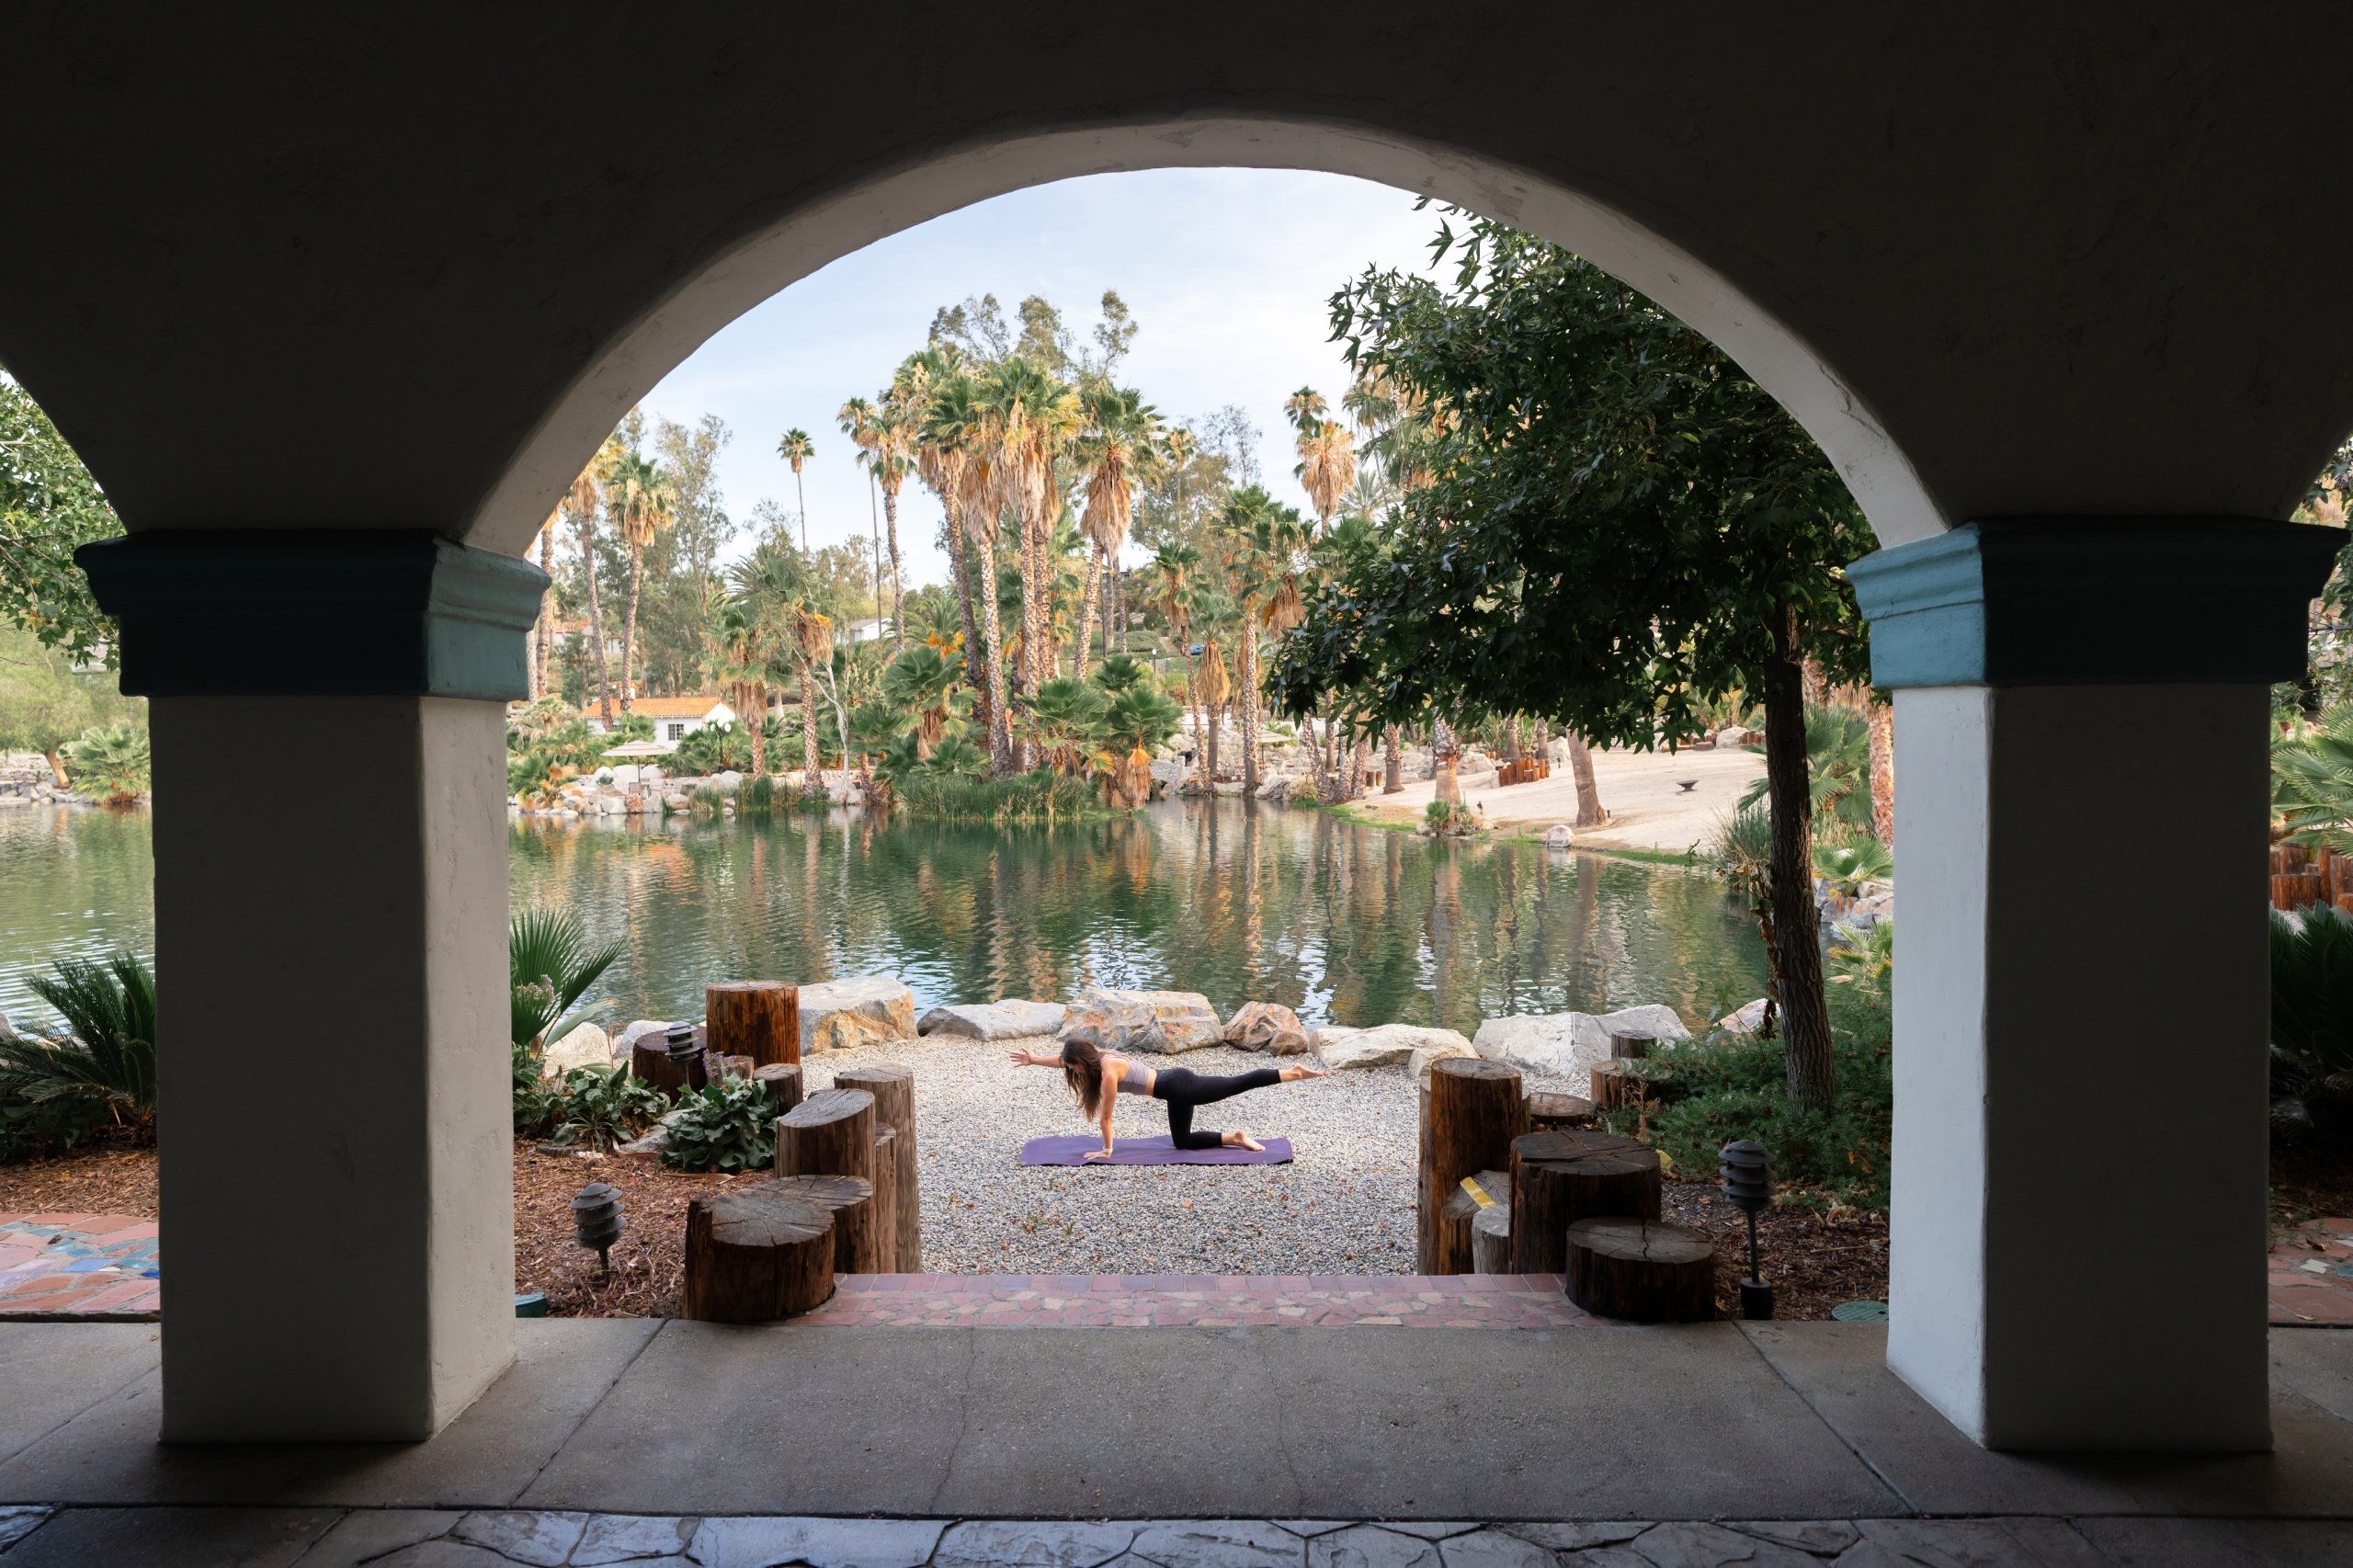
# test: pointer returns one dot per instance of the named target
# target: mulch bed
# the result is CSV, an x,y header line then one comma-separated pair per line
x,y
2310,1179
1814,1259
101,1179
648,1261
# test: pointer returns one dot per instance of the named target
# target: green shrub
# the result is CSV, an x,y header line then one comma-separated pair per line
x,y
57,1090
728,1126
606,1106
110,765
2312,1019
537,1103
1727,1086
758,798
1041,796
550,966
708,800
1449,819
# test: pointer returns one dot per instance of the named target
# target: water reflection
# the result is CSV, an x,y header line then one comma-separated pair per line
x,y
1346,923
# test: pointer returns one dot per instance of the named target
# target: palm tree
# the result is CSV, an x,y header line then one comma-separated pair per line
x,y
796,449
939,465
543,635
1030,418
889,459
1172,569
1328,467
1305,409
644,503
961,451
764,588
812,639
585,498
1120,429
1263,543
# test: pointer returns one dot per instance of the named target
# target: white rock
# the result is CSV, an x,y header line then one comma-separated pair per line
x,y
624,1042
728,779
1012,1018
838,1014
1558,835
1163,1021
1744,1021
1567,1044
1265,1026
1390,1045
1418,1065
1734,736
583,1047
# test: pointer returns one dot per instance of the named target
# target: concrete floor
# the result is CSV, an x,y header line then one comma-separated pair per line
x,y
1778,1421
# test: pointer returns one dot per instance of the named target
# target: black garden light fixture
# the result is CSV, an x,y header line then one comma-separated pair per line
x,y
1748,1176
597,1217
678,1040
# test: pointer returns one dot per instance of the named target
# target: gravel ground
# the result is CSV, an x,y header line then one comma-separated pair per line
x,y
1343,1205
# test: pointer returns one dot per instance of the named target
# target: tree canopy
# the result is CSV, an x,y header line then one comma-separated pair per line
x,y
49,505
1607,522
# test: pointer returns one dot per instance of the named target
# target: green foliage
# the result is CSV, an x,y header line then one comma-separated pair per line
x,y
715,749
1839,767
110,764
548,743
2311,1017
538,1102
2311,779
54,1090
1848,856
730,1127
603,1106
1120,673
45,701
1615,520
1740,848
1728,1086
1137,718
50,507
1041,796
1869,963
1449,819
550,966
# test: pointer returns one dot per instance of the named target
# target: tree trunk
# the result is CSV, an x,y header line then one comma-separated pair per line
x,y
1248,697
1491,1240
893,1088
1119,609
649,1063
1640,1272
850,1200
1445,759
1360,763
1559,1178
897,582
1088,603
629,625
831,1133
1805,1015
1393,762
1590,811
1551,1112
1881,717
782,1080
1476,1109
595,623
1208,755
1459,1212
975,665
808,759
756,1253
759,1018
992,650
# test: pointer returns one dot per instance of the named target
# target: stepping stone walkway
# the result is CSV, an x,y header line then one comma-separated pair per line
x,y
93,1267
2312,1275
1198,1301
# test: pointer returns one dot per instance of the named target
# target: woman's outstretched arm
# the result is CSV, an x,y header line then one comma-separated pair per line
x,y
1031,1059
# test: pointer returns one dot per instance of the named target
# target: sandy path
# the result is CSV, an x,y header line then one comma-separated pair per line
x,y
1638,789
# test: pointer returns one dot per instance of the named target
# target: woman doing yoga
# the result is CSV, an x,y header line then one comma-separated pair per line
x,y
1097,1077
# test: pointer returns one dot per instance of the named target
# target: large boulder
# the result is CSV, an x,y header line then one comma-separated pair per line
x,y
583,1047
1744,1021
1565,1045
1266,1026
1012,1018
1390,1045
1130,1021
838,1014
1418,1065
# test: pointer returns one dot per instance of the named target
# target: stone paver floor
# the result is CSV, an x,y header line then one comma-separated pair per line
x,y
2312,1275
416,1538
78,1266
1199,1300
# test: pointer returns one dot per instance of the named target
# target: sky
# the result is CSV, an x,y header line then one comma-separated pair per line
x,y
1227,272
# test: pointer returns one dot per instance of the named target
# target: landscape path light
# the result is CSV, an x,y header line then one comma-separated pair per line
x,y
1748,1176
597,1217
678,1040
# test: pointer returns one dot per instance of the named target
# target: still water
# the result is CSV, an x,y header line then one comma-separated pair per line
x,y
1344,923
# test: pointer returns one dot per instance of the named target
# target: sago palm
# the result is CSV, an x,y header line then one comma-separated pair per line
x,y
2312,780
106,1056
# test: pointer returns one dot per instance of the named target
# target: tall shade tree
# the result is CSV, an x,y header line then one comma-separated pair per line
x,y
1620,529
795,448
50,507
857,419
584,501
756,646
1030,417
1119,434
1264,549
644,504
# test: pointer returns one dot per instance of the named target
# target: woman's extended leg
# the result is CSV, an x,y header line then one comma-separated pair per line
x,y
1183,1089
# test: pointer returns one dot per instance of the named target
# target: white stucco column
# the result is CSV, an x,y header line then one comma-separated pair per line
x,y
333,1097
2081,992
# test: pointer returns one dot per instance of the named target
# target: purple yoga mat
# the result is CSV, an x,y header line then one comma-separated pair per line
x,y
1148,1152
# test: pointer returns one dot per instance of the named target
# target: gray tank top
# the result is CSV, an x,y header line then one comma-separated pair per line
x,y
1136,1080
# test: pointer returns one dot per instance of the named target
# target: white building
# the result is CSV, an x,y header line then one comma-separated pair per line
x,y
675,718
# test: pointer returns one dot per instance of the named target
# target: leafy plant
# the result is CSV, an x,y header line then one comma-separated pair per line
x,y
1042,796
105,1061
550,966
1741,847
2312,1016
730,1126
1449,819
538,1102
2312,780
1869,963
110,764
1839,767
604,1107
1847,858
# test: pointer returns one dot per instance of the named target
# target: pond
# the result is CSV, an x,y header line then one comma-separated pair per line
x,y
1346,923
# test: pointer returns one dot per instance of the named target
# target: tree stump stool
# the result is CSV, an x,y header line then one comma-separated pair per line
x,y
782,1080
1476,1109
1459,1212
887,1210
893,1088
759,1018
649,1063
831,1133
1628,1047
857,1225
1491,1240
1560,1178
1612,1089
1551,1112
1641,1271
756,1253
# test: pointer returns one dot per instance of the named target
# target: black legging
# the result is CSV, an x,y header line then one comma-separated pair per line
x,y
1183,1089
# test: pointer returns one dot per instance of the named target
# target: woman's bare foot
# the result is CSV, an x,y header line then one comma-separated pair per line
x,y
1240,1139
1294,1073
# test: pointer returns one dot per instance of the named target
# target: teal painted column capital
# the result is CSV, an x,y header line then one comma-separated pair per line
x,y
2091,601
316,612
